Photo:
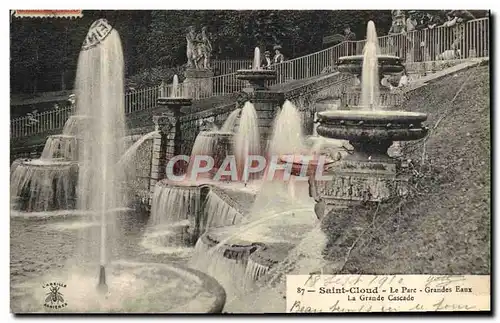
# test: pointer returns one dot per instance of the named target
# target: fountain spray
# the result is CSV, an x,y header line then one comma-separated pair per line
x,y
370,74
100,91
245,169
101,285
256,59
175,87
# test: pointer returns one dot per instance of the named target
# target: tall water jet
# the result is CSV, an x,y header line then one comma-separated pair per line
x,y
369,72
247,139
372,67
288,137
100,92
256,59
175,87
371,35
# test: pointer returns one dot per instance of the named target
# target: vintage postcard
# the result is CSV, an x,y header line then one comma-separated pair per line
x,y
250,161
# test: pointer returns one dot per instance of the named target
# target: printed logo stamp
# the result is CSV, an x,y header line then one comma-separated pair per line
x,y
46,13
54,298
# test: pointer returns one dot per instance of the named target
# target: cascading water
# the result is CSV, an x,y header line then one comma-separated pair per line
x,y
218,213
247,139
76,125
230,122
41,185
173,204
173,210
130,153
370,93
274,209
203,145
49,183
60,146
230,268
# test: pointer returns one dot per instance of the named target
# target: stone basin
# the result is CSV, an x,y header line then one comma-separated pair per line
x,y
387,64
42,185
217,134
175,101
372,132
355,124
251,74
133,288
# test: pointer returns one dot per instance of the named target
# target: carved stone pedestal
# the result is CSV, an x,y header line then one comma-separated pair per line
x,y
198,83
355,182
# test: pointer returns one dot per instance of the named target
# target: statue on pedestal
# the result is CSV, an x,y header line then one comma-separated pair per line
x,y
190,49
199,49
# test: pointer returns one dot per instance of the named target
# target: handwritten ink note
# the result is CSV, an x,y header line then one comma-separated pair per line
x,y
387,293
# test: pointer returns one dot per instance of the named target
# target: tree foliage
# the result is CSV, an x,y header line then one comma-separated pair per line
x,y
45,51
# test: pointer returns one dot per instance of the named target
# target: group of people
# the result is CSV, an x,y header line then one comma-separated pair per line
x,y
404,41
267,62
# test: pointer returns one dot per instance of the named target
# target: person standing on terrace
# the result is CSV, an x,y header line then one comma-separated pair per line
x,y
456,21
398,27
278,56
278,59
349,36
411,27
431,20
266,61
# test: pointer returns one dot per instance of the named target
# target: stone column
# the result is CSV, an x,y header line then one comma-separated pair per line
x,y
267,104
163,147
198,83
